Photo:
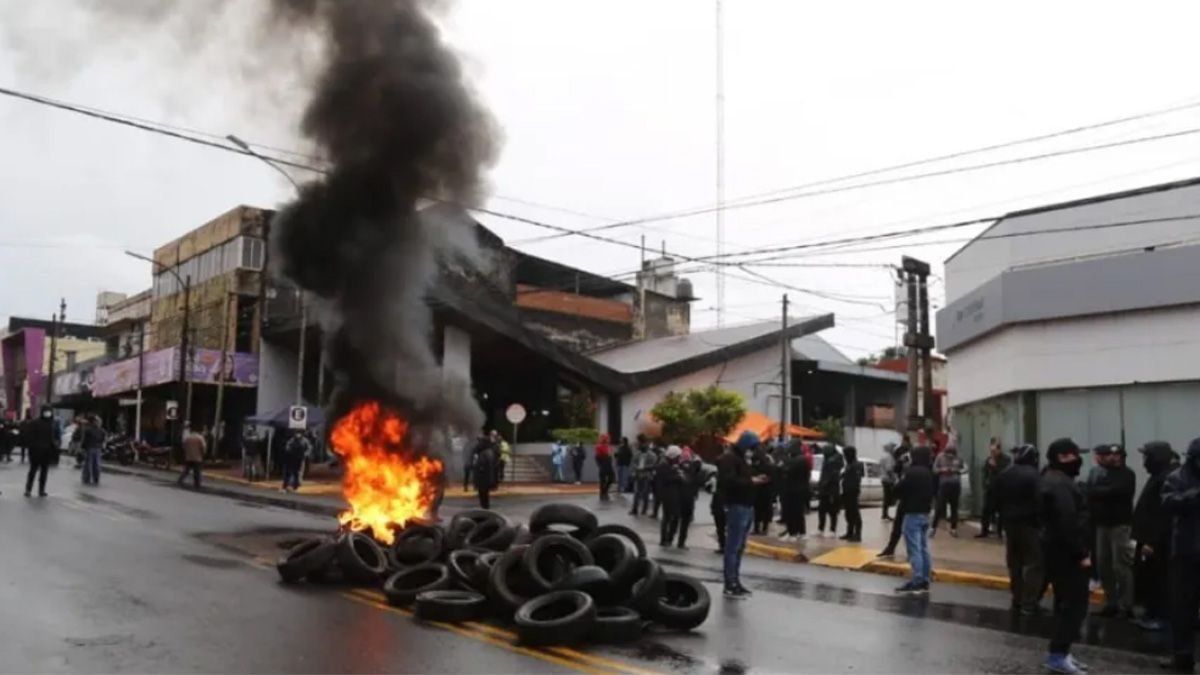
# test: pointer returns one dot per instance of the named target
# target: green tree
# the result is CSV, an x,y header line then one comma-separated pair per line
x,y
573,435
832,428
711,412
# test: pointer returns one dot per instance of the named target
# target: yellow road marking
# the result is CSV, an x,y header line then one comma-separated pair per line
x,y
482,637
567,652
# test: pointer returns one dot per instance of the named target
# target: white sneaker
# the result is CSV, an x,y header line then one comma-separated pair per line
x,y
801,537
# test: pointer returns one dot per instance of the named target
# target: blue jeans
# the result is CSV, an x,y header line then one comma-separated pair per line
x,y
559,477
623,478
916,542
738,518
91,466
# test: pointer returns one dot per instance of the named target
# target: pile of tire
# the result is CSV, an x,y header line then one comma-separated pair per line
x,y
562,579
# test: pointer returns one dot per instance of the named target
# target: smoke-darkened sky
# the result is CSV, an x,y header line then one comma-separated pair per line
x,y
607,110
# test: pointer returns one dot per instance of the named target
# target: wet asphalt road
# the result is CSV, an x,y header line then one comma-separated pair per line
x,y
135,576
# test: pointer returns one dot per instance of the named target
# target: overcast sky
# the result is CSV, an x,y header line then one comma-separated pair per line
x,y
608,111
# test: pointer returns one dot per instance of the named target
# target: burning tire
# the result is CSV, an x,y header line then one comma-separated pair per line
x,y
562,617
450,606
588,579
361,559
419,544
307,557
552,557
647,586
616,625
464,567
403,587
683,603
494,535
556,517
614,554
624,532
506,586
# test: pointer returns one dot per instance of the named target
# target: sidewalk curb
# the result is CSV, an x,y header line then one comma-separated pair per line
x,y
896,569
783,553
255,497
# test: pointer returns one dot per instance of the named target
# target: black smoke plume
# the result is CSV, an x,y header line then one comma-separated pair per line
x,y
399,125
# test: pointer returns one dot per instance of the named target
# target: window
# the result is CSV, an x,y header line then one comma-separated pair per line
x,y
253,253
239,253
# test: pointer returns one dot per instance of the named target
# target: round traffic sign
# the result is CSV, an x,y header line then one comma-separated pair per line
x,y
515,413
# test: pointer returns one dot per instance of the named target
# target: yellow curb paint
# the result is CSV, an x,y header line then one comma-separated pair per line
x,y
776,552
845,557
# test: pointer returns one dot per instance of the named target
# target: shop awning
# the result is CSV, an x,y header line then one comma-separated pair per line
x,y
768,428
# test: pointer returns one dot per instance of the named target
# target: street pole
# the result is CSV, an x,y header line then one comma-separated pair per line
x,y
221,375
785,363
300,350
55,321
926,349
184,389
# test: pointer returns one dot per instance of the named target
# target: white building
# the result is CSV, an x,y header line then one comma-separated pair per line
x,y
1079,319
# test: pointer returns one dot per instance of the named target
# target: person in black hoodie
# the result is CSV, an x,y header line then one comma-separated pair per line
x,y
693,477
915,492
852,477
1064,517
764,494
829,487
38,436
1015,494
903,455
624,461
669,485
1181,503
1152,532
1110,489
736,481
794,491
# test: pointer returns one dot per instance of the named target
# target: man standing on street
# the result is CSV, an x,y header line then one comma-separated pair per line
x,y
643,475
736,484
604,466
1068,558
194,447
1181,502
298,447
485,472
903,456
829,488
624,461
1016,500
668,483
794,492
1152,532
888,477
38,438
577,457
92,443
1110,489
949,469
852,477
915,492
996,462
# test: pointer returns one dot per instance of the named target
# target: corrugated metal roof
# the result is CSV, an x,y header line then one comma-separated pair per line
x,y
650,354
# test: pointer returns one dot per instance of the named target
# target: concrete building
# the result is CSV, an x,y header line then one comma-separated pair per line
x,y
1078,319
25,349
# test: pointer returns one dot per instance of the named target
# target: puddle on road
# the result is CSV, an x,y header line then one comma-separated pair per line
x,y
208,561
143,514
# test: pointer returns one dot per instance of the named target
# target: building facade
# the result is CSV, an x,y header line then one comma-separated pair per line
x,y
1079,319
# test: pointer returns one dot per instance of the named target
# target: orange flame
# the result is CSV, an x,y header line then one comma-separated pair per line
x,y
386,485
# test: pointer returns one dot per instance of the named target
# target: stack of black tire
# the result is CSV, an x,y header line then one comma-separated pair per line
x,y
563,579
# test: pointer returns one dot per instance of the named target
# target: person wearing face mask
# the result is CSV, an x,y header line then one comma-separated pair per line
x,y
1181,503
829,489
1015,491
736,482
1066,550
1152,532
1110,489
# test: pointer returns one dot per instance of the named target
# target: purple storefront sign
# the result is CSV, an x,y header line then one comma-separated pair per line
x,y
162,366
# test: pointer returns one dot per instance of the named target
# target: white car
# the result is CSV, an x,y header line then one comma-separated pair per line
x,y
872,484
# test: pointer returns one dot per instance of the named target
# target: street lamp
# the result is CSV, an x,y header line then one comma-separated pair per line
x,y
186,283
245,147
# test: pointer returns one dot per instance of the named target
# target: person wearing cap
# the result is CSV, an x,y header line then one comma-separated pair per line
x,y
736,482
1067,550
1181,503
668,484
1015,491
1152,532
1110,489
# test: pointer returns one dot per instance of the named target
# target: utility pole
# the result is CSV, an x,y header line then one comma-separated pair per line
x,y
720,115
785,365
221,372
639,326
55,323
917,341
137,415
300,354
183,355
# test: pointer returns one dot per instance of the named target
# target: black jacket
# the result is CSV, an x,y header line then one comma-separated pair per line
x,y
992,471
852,475
624,454
1015,490
1151,524
734,480
829,484
796,475
669,485
1065,528
1181,501
38,436
1110,495
485,468
918,485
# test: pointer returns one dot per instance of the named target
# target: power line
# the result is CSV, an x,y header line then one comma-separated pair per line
x,y
749,200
